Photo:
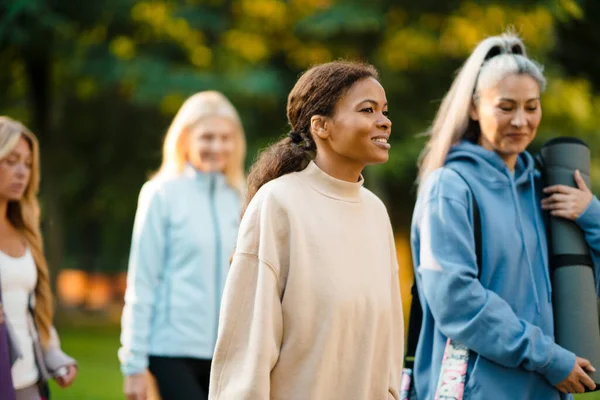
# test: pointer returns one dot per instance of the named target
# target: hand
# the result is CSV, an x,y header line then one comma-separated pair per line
x,y
1,314
67,379
578,380
567,202
136,386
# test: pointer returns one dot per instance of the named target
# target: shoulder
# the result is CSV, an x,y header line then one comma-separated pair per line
x,y
160,183
372,201
155,192
266,219
152,189
167,185
445,182
274,195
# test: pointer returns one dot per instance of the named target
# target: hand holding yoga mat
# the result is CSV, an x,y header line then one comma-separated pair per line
x,y
574,294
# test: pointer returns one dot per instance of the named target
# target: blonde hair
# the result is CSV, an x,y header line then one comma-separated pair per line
x,y
492,60
196,108
24,215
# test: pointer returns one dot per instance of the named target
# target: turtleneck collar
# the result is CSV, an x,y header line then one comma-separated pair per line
x,y
331,187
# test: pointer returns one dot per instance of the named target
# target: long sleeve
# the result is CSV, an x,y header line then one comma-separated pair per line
x,y
397,353
54,357
145,263
6,384
589,222
397,338
468,313
250,331
251,320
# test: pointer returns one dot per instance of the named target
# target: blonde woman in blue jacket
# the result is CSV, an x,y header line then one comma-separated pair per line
x,y
184,233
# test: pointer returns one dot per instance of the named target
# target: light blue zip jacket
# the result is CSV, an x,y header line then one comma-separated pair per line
x,y
184,234
506,315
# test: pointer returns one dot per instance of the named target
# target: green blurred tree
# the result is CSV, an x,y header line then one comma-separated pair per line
x,y
99,82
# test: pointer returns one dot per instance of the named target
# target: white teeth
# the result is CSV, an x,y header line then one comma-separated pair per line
x,y
380,140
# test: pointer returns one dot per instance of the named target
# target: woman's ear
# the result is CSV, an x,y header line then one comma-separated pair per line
x,y
473,112
318,126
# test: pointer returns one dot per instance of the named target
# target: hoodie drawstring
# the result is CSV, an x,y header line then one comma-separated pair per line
x,y
527,256
540,229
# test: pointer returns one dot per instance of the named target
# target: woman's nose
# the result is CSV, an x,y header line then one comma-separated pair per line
x,y
384,123
518,119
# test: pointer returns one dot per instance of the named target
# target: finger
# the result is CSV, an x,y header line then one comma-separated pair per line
x,y
587,381
583,362
562,389
569,387
580,182
69,378
578,387
588,367
557,189
558,205
557,197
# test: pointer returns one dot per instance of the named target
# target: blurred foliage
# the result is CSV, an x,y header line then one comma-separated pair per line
x,y
99,82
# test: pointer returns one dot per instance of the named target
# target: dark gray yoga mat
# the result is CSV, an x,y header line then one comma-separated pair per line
x,y
576,323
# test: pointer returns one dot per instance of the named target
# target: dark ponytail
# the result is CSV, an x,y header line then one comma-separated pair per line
x,y
317,92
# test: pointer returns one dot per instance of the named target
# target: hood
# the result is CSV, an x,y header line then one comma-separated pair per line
x,y
490,167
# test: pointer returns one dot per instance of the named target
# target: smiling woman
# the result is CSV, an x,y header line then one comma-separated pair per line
x,y
508,110
184,234
496,300
357,134
311,308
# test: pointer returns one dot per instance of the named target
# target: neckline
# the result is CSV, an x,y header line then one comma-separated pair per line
x,y
19,258
332,187
203,177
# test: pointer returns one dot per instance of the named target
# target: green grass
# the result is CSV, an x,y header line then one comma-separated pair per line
x,y
588,396
95,349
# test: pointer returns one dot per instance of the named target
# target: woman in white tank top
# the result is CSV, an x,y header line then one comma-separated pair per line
x,y
24,283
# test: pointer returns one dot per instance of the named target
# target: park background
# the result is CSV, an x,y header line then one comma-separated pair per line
x,y
99,81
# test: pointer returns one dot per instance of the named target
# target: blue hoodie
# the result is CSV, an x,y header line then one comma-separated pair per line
x,y
183,236
505,317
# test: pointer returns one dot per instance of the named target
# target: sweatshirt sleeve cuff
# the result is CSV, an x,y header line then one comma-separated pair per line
x,y
590,216
560,365
132,363
55,359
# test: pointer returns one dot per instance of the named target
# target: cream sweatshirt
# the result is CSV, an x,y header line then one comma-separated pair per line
x,y
311,308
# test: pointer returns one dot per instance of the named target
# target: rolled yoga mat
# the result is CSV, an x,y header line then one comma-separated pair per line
x,y
576,324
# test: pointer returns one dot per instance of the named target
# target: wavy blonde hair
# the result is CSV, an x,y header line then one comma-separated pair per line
x,y
24,215
492,60
195,109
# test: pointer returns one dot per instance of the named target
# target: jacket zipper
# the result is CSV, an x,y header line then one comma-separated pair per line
x,y
217,235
